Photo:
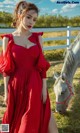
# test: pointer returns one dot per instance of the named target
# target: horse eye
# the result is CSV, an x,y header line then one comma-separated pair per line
x,y
62,92
63,78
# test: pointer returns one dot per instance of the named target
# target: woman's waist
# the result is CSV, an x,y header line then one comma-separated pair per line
x,y
25,72
25,68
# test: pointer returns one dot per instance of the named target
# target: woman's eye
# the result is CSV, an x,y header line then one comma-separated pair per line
x,y
28,17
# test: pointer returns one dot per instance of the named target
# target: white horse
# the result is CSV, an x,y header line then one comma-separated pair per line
x,y
63,86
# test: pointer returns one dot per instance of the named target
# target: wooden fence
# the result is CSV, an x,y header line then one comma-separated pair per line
x,y
68,38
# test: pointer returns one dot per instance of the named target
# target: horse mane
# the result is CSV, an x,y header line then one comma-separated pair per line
x,y
77,39
72,44
69,60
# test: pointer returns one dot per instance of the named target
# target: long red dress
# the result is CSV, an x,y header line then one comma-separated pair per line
x,y
25,112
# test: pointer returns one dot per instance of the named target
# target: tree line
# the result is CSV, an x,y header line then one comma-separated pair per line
x,y
44,21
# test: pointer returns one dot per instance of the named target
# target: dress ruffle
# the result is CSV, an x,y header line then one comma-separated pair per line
x,y
42,64
7,66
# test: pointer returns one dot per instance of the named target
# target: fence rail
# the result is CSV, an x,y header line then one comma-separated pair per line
x,y
68,38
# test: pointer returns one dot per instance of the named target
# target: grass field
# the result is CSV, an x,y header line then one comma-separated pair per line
x,y
70,122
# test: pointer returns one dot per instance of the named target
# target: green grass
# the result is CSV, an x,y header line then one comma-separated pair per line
x,y
70,122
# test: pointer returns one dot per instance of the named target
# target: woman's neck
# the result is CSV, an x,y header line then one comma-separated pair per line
x,y
22,31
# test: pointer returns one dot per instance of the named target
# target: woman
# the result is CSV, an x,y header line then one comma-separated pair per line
x,y
24,68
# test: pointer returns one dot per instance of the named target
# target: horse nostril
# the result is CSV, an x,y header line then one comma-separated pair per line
x,y
62,92
60,111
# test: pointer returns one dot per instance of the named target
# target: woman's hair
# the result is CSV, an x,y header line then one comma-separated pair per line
x,y
21,9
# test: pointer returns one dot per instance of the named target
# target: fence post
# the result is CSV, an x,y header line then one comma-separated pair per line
x,y
68,36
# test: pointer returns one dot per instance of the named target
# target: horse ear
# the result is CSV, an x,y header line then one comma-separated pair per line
x,y
55,75
63,76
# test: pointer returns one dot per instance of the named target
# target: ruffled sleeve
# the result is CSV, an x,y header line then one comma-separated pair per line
x,y
39,33
42,64
7,65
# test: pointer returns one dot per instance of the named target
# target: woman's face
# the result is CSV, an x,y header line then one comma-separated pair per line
x,y
29,20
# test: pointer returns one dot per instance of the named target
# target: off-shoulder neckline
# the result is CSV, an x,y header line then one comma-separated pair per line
x,y
21,45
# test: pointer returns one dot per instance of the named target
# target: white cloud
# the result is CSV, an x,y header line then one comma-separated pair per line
x,y
53,0
9,2
44,10
1,3
1,10
35,1
54,11
68,7
9,6
1,6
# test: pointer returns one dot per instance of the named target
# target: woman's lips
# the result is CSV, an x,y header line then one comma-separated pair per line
x,y
29,26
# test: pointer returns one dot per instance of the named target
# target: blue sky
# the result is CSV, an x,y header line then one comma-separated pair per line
x,y
47,7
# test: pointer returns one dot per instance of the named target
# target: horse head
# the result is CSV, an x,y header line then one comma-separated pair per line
x,y
63,85
63,91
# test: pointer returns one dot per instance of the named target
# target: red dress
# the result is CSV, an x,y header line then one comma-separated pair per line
x,y
25,112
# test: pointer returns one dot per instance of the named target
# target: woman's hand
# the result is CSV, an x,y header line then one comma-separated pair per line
x,y
44,95
44,91
6,80
6,99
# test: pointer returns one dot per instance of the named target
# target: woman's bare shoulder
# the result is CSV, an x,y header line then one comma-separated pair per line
x,y
4,43
15,33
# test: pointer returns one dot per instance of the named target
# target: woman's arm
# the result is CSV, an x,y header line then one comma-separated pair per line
x,y
6,79
44,90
